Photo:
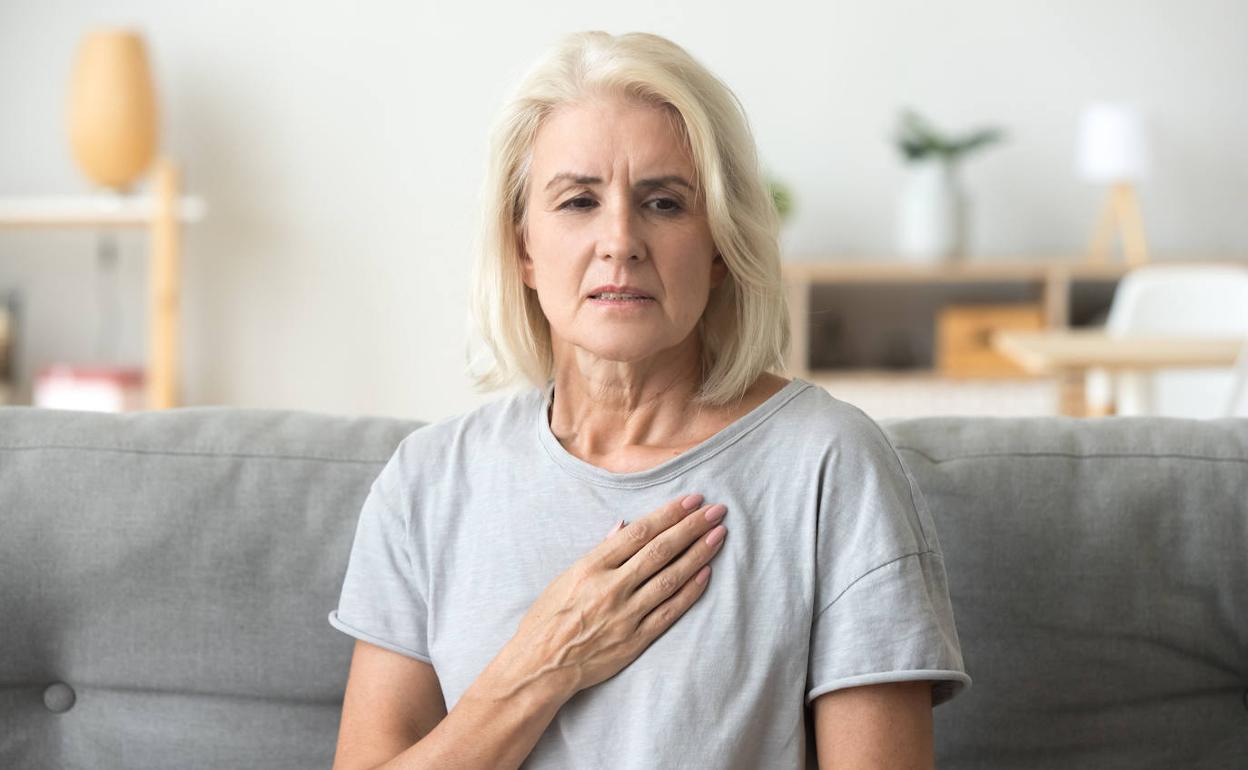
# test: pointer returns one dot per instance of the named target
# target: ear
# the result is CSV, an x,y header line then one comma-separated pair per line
x,y
526,262
719,271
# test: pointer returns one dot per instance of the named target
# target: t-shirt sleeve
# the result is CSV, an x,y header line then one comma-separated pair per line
x,y
384,592
882,609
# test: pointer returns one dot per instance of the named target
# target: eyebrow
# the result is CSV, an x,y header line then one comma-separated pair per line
x,y
660,181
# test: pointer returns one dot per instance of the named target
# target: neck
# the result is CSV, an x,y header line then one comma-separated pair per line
x,y
600,407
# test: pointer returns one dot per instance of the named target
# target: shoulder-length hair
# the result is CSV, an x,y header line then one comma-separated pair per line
x,y
744,329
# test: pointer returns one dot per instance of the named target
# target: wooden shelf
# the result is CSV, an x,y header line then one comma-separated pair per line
x,y
885,393
161,213
980,269
917,374
92,211
1056,283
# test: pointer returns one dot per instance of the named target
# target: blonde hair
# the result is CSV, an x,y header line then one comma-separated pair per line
x,y
744,329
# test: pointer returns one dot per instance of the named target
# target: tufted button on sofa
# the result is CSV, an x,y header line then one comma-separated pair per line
x,y
59,697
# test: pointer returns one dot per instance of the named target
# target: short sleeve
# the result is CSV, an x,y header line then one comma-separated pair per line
x,y
383,598
882,609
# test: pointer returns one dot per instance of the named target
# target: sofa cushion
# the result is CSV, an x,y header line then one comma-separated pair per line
x,y
172,571
1098,571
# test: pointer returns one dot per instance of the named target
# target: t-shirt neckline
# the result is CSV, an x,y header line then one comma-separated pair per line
x,y
668,469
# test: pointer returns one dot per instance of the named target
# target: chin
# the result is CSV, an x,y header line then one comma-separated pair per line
x,y
634,348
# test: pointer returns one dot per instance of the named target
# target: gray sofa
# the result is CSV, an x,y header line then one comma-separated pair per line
x,y
165,579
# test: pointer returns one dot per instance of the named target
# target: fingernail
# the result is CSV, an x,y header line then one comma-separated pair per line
x,y
618,526
691,502
716,535
716,512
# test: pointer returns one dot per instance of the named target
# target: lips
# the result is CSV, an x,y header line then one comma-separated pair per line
x,y
614,289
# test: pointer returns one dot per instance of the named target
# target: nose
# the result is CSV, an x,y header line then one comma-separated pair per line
x,y
620,237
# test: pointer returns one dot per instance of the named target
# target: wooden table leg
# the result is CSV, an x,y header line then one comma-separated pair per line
x,y
1071,395
798,289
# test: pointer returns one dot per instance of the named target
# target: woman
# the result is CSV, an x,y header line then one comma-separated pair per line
x,y
630,272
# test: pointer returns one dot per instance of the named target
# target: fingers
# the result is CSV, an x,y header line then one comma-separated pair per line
x,y
655,581
616,551
662,617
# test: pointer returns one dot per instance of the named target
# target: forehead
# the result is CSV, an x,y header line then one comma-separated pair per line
x,y
594,136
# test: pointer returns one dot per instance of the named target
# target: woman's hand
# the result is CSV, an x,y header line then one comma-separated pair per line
x,y
604,610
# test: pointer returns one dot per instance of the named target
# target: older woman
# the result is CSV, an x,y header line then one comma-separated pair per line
x,y
630,273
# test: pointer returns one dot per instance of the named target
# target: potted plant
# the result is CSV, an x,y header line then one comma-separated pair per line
x,y
782,199
781,196
933,210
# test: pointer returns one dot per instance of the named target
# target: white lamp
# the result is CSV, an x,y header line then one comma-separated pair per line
x,y
1113,150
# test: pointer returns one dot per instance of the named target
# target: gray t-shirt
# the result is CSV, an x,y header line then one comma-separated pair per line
x,y
831,575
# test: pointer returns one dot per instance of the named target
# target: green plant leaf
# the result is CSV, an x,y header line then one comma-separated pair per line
x,y
781,197
917,138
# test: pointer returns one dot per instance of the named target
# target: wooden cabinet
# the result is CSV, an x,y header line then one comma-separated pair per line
x,y
871,328
855,315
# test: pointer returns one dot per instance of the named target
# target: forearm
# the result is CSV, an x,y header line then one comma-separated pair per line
x,y
493,726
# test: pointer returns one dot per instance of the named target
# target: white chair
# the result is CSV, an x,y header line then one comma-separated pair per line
x,y
1176,300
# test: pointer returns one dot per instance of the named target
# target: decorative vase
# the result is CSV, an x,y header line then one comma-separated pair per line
x,y
932,212
113,117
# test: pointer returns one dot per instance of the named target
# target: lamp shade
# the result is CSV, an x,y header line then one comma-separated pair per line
x,y
1112,144
112,108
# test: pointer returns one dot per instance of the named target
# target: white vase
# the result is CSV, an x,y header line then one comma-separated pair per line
x,y
932,212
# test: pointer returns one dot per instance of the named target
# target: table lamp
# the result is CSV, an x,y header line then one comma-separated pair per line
x,y
1113,150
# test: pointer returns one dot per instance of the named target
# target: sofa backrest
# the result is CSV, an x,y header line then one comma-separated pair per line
x,y
1098,571
173,571
165,579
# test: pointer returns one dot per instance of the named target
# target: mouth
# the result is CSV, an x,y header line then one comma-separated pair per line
x,y
619,296
620,299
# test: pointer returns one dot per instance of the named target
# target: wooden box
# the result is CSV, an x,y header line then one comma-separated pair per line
x,y
964,338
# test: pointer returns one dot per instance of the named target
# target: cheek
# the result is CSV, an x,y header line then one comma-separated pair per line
x,y
552,228
556,277
687,291
551,244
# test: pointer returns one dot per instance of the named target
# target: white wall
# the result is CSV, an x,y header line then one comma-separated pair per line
x,y
340,148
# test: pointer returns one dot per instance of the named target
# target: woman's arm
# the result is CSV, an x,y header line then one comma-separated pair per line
x,y
875,726
393,716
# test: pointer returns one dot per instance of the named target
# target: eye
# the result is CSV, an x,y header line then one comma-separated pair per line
x,y
672,206
583,203
568,204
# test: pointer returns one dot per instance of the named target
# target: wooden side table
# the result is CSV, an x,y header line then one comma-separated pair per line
x,y
1071,353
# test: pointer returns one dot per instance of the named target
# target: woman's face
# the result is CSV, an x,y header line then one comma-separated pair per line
x,y
610,202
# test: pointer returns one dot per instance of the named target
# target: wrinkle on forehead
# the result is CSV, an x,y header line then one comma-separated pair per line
x,y
612,100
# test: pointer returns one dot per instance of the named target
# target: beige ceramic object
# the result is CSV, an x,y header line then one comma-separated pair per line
x,y
112,108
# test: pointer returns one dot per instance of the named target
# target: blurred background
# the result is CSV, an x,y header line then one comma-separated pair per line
x,y
946,170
